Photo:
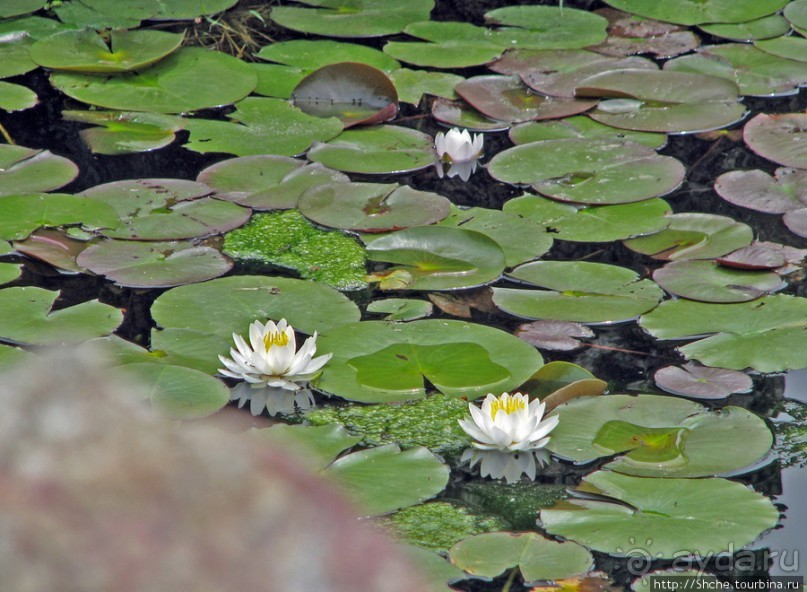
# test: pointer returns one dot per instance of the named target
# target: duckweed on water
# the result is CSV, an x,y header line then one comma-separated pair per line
x,y
286,239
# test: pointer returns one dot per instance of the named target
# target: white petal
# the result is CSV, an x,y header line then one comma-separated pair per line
x,y
243,348
474,432
256,334
257,401
440,144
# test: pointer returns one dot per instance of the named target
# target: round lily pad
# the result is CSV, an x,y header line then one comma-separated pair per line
x,y
361,18
14,55
796,221
700,382
126,132
578,291
589,171
790,47
21,214
554,335
28,317
459,114
379,149
449,54
439,257
401,309
413,84
593,223
372,207
755,189
153,265
694,236
178,83
507,99
261,126
9,272
175,391
15,97
310,54
581,126
767,335
685,12
707,281
382,362
778,137
796,13
755,72
559,27
85,50
659,436
28,170
766,27
164,209
229,305
661,518
537,558
757,256
53,247
663,101
101,14
352,92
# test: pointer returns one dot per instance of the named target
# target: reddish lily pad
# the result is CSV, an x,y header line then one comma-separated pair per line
x,y
629,34
27,170
153,265
554,335
53,247
707,281
796,221
757,256
757,190
507,99
460,114
372,207
352,92
663,101
779,137
699,382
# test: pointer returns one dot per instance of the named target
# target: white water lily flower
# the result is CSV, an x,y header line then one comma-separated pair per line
x,y
271,359
458,146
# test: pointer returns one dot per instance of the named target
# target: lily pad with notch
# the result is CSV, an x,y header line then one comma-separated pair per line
x,y
501,361
701,382
596,172
554,335
439,257
277,80
412,85
21,214
637,516
153,265
558,27
755,189
28,170
376,150
354,93
779,137
401,309
126,132
54,247
707,281
310,54
459,114
578,291
571,222
580,126
20,7
629,34
101,14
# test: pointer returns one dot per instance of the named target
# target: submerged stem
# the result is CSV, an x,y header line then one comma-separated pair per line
x,y
6,135
510,580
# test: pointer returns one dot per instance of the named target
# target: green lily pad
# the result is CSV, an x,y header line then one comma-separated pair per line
x,y
153,265
440,257
663,101
380,480
449,54
17,7
16,97
755,72
20,215
13,357
661,518
505,98
790,47
706,281
685,12
659,436
537,558
796,13
53,247
261,126
308,54
166,209
126,132
766,27
266,182
589,171
581,127
694,236
28,318
413,84
558,27
459,114
9,272
578,291
277,80
778,137
756,189
28,170
191,9
700,382
401,309
101,14
767,334
85,50
506,354
379,149
520,238
175,391
324,442
178,83
593,223
352,92
372,207
359,18
14,55
288,240
429,422
229,305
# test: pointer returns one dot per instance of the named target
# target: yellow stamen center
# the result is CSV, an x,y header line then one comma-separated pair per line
x,y
506,403
278,338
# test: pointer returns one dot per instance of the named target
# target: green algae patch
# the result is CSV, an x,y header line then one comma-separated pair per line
x,y
517,503
287,240
438,525
429,422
